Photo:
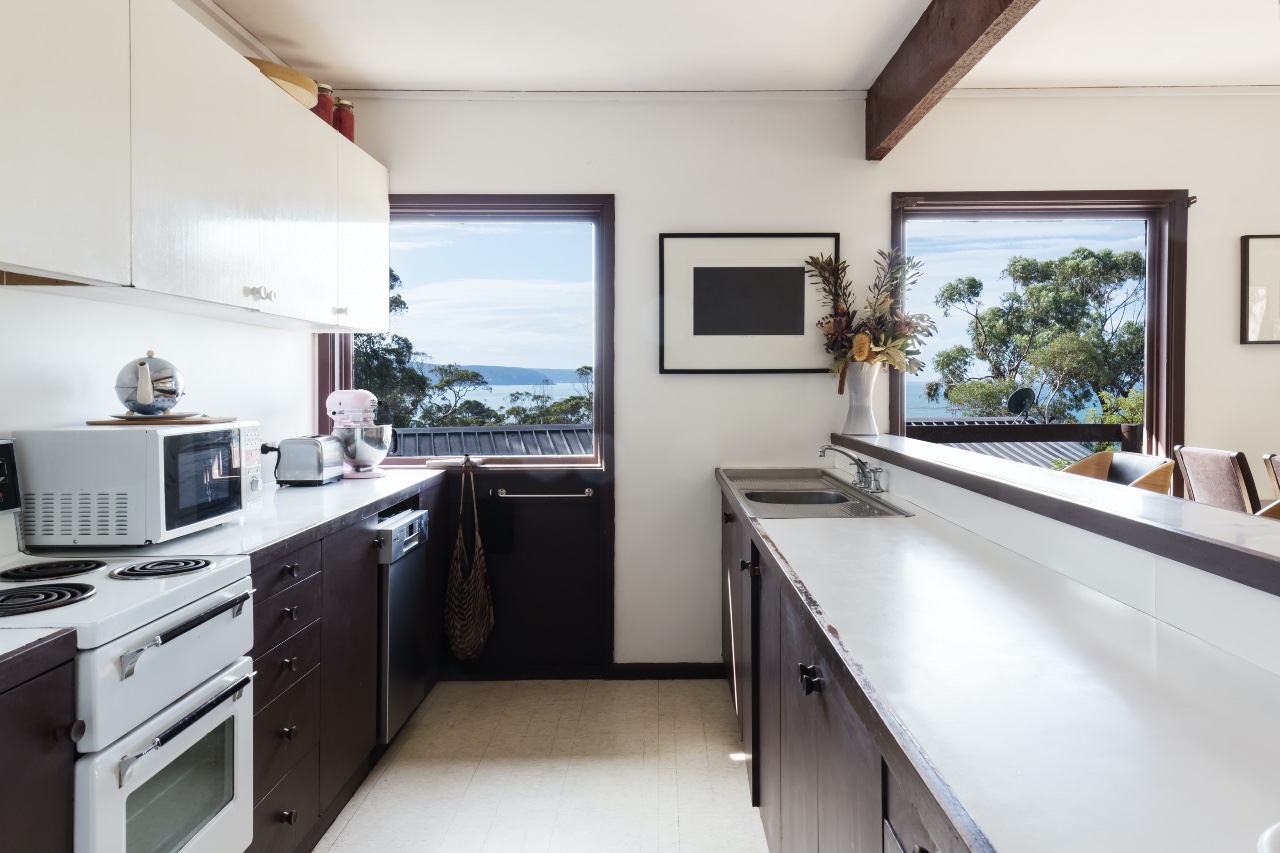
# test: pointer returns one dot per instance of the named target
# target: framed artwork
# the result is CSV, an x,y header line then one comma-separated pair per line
x,y
1260,289
740,303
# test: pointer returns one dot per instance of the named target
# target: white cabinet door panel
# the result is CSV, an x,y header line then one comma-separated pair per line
x,y
197,181
363,240
64,70
300,213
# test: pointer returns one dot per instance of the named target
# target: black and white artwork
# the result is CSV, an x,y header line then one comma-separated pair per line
x,y
740,303
1260,289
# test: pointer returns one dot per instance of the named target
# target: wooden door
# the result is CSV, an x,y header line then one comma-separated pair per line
x,y
364,219
849,800
349,650
37,763
800,733
768,756
65,146
550,571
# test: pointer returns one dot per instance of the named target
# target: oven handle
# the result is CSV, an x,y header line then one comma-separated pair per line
x,y
126,763
129,660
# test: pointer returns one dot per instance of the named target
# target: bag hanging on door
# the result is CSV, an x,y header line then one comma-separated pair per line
x,y
468,612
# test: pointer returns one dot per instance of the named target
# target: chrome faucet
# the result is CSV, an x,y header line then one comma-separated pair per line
x,y
868,478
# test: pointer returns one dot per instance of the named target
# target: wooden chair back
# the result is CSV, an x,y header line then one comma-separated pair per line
x,y
1219,478
1151,473
1272,463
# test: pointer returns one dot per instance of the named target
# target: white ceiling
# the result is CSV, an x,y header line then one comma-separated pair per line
x,y
583,45
1137,43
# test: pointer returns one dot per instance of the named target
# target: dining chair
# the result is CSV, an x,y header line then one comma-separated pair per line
x,y
1152,473
1219,478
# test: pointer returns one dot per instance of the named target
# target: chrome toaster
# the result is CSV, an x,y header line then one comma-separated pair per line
x,y
310,460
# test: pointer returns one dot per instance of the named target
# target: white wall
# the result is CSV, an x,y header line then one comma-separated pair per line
x,y
59,357
794,165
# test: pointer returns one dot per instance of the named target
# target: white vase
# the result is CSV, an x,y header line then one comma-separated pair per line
x,y
860,386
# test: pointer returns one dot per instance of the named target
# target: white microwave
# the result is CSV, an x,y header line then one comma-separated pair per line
x,y
107,486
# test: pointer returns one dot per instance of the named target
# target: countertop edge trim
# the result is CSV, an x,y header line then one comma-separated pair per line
x,y
1250,568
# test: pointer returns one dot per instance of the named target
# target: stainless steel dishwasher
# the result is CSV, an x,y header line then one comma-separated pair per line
x,y
402,623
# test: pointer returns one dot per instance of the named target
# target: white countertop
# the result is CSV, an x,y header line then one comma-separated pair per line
x,y
286,511
1062,719
12,639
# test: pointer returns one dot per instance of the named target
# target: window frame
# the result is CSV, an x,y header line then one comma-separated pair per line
x,y
335,357
1166,215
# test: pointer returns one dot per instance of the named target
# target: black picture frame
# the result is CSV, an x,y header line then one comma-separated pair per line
x,y
1257,302
673,361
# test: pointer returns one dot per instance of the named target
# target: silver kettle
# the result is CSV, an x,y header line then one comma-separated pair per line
x,y
149,386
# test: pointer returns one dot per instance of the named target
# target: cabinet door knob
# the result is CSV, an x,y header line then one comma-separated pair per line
x,y
76,731
290,664
807,670
342,310
291,817
728,517
294,569
292,612
814,685
289,733
744,565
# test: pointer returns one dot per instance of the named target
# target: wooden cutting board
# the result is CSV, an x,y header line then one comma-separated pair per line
x,y
158,421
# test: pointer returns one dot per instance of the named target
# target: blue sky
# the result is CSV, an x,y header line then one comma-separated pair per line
x,y
952,248
517,294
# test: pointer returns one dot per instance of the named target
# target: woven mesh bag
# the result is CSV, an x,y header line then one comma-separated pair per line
x,y
468,613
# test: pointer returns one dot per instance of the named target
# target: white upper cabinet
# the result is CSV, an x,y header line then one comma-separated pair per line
x,y
64,143
363,240
197,184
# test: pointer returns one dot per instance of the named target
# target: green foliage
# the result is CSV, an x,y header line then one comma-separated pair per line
x,y
412,392
1071,329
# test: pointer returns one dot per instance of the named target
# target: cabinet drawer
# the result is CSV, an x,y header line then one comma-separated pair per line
x,y
279,575
285,665
284,614
285,815
902,823
285,731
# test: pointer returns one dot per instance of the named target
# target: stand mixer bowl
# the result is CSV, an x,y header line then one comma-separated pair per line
x,y
363,447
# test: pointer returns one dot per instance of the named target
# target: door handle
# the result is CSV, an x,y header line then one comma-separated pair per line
x,y
289,733
129,660
290,664
289,817
292,612
294,569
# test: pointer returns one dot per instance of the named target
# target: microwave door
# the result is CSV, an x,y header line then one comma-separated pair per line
x,y
202,479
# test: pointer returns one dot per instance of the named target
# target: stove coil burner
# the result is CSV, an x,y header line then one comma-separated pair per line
x,y
51,571
160,569
33,598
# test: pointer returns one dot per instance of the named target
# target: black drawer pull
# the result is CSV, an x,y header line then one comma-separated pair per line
x,y
294,569
814,685
292,612
807,670
290,664
289,733
728,517
291,817
743,565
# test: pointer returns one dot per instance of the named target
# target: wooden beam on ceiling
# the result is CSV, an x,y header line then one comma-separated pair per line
x,y
948,40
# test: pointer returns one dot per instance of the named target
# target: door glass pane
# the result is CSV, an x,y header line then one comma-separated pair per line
x,y
201,476
492,344
171,807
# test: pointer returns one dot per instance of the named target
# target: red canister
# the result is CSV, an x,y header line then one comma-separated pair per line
x,y
324,103
344,118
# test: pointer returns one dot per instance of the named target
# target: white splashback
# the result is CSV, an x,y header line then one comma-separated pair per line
x,y
59,358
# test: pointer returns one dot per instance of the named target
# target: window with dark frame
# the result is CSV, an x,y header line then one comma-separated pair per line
x,y
1165,218
522,414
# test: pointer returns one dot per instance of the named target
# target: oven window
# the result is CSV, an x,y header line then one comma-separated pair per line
x,y
201,476
175,804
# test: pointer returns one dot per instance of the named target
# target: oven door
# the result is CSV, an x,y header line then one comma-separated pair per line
x,y
202,480
180,783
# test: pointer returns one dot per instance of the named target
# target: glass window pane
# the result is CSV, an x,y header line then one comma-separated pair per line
x,y
171,807
491,349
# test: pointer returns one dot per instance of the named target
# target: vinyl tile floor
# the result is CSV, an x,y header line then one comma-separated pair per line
x,y
559,767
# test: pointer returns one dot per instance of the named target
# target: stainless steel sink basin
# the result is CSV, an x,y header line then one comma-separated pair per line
x,y
805,493
818,496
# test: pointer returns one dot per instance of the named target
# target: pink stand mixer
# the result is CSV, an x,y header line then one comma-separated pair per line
x,y
364,443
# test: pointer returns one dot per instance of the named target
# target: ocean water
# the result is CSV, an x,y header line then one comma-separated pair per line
x,y
499,395
918,406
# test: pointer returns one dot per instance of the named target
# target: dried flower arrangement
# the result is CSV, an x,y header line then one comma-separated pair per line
x,y
884,334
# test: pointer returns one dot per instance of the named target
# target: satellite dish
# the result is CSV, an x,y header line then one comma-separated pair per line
x,y
1020,402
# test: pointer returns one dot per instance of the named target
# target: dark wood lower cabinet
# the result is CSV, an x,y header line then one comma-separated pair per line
x,y
768,759
799,681
349,649
37,763
288,812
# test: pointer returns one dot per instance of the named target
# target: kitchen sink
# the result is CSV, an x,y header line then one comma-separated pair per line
x,y
818,496
805,493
